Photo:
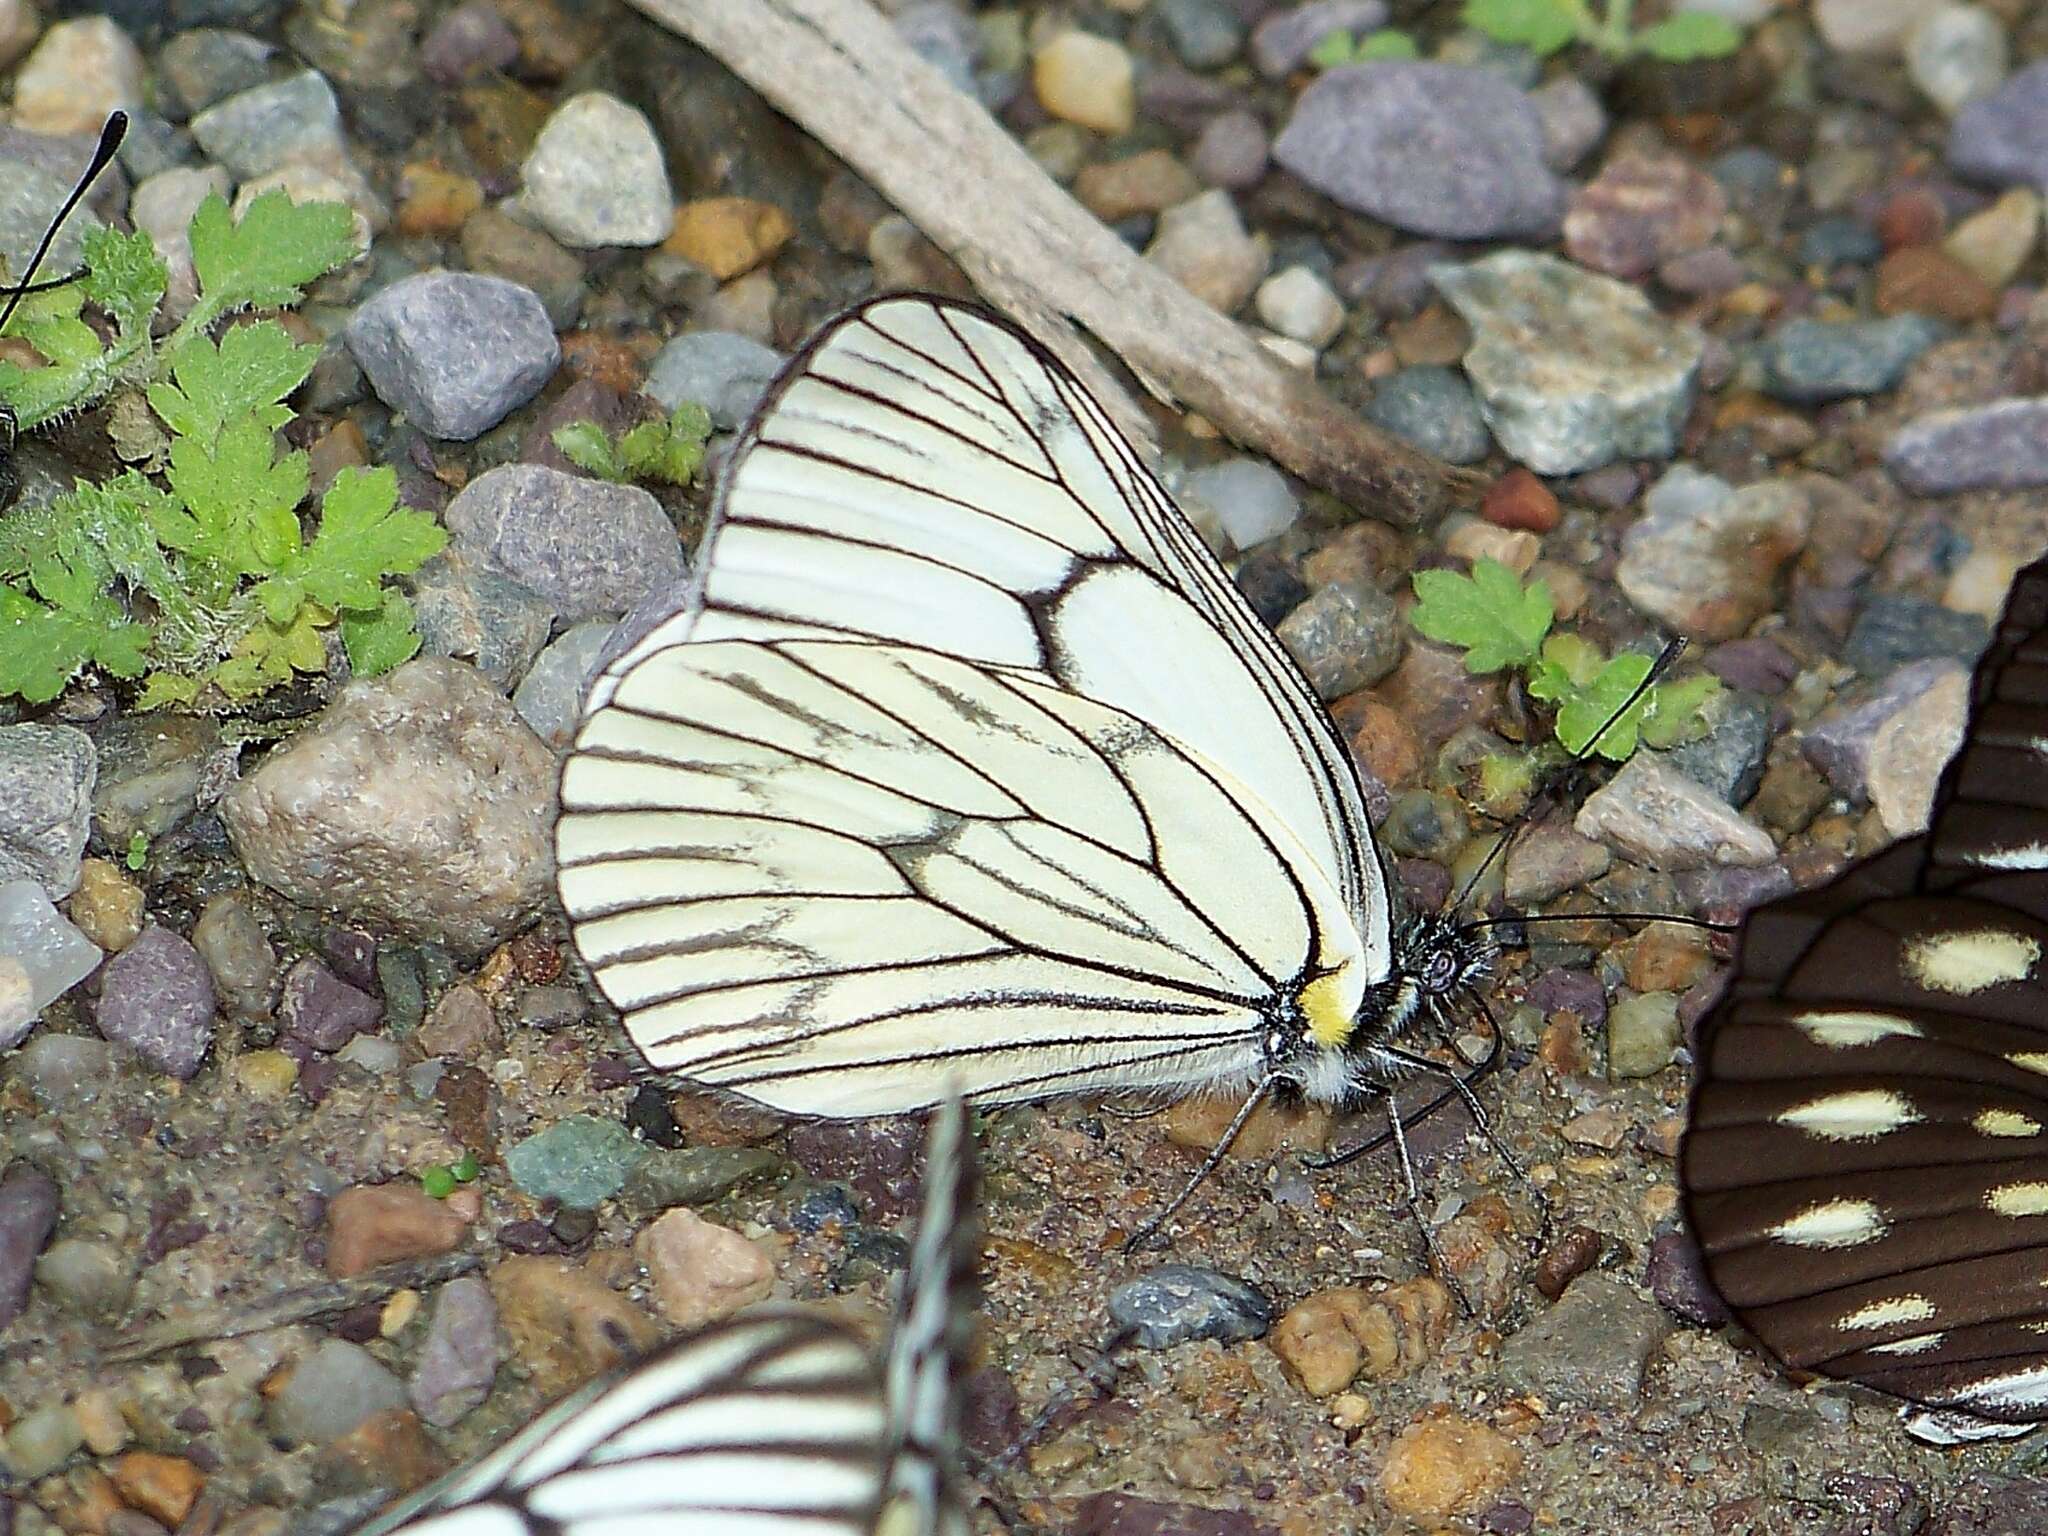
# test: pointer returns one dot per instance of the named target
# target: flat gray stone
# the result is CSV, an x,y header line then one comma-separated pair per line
x,y
47,773
454,351
590,547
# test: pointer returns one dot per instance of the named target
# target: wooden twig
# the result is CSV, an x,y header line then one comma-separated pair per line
x,y
839,70
231,1320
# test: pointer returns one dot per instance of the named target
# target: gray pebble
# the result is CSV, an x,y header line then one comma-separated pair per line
x,y
550,698
28,1215
254,132
1573,120
85,1277
42,956
1678,1279
669,1177
1894,630
1957,54
42,1440
1434,408
472,39
1345,637
2000,446
1810,362
1232,152
1838,742
237,953
595,176
209,64
64,1070
723,371
455,351
1282,42
320,1010
1252,501
459,1358
588,546
1642,1035
1657,816
1175,1303
2003,138
1589,1347
157,998
330,1391
151,770
580,1160
1729,759
464,606
46,781
1205,34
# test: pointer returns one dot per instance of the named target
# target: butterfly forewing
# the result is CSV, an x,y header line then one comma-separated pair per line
x,y
1866,1166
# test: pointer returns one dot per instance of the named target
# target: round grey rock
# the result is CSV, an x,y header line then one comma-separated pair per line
x,y
2000,446
1252,501
47,773
1574,370
157,998
595,176
329,1392
2003,138
1589,1348
1176,1303
465,606
291,121
1729,759
455,352
1895,629
1346,636
1810,362
1205,34
1434,408
723,371
1436,149
588,546
459,1358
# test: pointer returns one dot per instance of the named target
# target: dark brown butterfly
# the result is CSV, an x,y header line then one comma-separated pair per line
x,y
1866,1167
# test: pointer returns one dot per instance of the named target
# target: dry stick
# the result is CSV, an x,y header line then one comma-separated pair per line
x,y
839,70
229,1320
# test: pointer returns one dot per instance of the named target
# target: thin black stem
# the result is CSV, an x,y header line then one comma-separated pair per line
x,y
110,141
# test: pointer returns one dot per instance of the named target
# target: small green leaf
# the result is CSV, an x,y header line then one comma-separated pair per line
x,y
1541,26
1600,704
168,690
438,1181
268,256
1506,780
1490,614
138,849
466,1168
124,276
1387,43
236,502
1689,35
364,536
1569,662
1333,50
584,444
644,448
382,638
1677,712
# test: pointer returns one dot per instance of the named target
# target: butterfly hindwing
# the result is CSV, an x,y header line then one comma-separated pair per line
x,y
1866,1167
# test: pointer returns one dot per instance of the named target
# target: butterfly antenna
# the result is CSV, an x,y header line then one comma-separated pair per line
x,y
111,134
1516,919
1145,1234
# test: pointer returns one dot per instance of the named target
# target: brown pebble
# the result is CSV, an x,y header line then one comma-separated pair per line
x,y
1380,740
341,446
162,1487
1519,500
375,1224
537,957
391,1449
1150,182
434,201
700,1271
1434,336
1563,1046
604,360
1602,1129
1912,216
1640,210
564,1326
1576,1250
460,1028
107,906
1333,1337
728,235
1480,1249
1927,280
1446,1466
707,1120
1199,1123
1665,958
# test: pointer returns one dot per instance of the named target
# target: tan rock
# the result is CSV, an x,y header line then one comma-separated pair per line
x,y
1089,80
1446,1466
163,1487
728,235
563,1325
1198,1123
1333,1337
1996,243
1150,182
375,1224
701,1271
80,71
107,906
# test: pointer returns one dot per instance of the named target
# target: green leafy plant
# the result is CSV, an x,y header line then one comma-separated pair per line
x,y
1501,624
671,450
138,849
196,572
1340,48
1545,26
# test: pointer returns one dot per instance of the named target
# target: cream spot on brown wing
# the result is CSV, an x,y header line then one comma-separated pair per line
x,y
2016,1200
1861,1114
2005,1122
1968,961
1918,1344
1843,1028
1889,1313
1832,1224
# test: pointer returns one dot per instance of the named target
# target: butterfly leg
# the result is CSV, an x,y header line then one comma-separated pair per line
x,y
1144,1236
1431,1254
1484,1124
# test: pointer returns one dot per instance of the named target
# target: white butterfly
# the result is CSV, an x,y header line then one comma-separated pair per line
x,y
773,1423
965,760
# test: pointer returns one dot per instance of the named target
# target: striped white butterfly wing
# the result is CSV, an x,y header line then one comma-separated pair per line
x,y
1867,1163
777,1422
966,758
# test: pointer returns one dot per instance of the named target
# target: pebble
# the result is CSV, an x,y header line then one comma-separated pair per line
x,y
500,246
590,547
1175,1303
1550,859
2003,138
320,1010
157,999
335,1387
1642,1035
1432,407
595,176
65,1070
1232,152
1446,1466
1866,26
42,956
1909,752
209,64
469,40
1641,210
1332,1338
237,952
266,1075
1925,279
1204,34
699,1271
42,1440
86,1278
1729,759
1086,80
1124,1514
565,1325
550,697
1297,303
1589,1348
671,1176
29,1204
150,770
1435,149
465,606
1957,54
1202,245
454,351
1572,118
1838,742
580,1161
417,799
728,236
1252,500
1838,240
1657,816
1810,362
1996,242
1520,502
47,773
1346,636
1283,40
162,1487
1149,182
458,1359
295,120
2000,446
724,372
374,1224
1894,630
107,906
1678,1279
81,69
1573,370
1704,558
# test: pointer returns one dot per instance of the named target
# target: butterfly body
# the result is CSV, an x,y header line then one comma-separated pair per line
x,y
1866,1165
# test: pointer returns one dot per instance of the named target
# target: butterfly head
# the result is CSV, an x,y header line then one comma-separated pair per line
x,y
1442,955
